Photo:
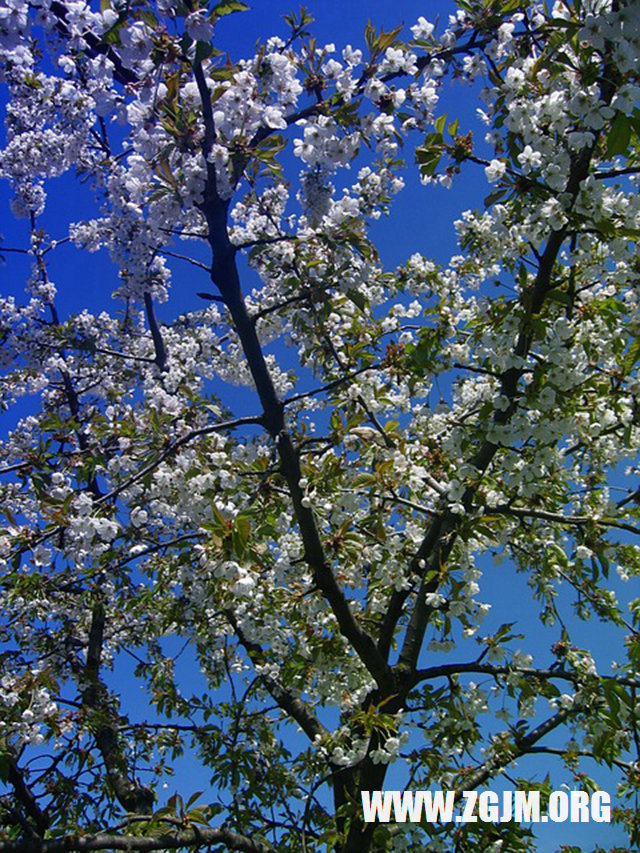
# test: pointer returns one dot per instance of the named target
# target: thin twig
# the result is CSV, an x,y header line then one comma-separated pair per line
x,y
330,385
186,258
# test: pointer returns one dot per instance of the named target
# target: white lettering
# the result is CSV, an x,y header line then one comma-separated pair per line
x,y
527,807
438,806
519,806
507,807
470,803
373,806
407,805
601,807
488,808
558,806
579,807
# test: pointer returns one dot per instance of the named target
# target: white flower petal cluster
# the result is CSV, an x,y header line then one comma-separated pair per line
x,y
307,482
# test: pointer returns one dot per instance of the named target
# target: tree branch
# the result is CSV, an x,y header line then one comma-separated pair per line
x,y
583,753
225,276
522,746
447,670
440,538
25,797
560,518
192,837
132,796
156,335
180,257
335,383
172,448
96,45
296,708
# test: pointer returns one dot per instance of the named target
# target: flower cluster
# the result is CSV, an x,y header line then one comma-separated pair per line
x,y
318,483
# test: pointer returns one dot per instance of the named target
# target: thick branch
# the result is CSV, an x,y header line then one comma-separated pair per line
x,y
225,277
440,538
156,334
25,797
448,669
132,796
207,110
192,837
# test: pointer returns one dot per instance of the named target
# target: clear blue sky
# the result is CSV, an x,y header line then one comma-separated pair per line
x,y
422,220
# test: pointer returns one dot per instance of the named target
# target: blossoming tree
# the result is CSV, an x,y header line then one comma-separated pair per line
x,y
304,484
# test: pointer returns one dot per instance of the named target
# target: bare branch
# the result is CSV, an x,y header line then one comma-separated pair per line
x,y
330,385
583,753
267,241
24,795
158,343
495,670
19,466
186,258
132,796
192,837
560,518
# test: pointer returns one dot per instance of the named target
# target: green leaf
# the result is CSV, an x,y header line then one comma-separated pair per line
x,y
228,7
379,42
440,123
156,424
370,35
112,36
240,535
222,74
385,40
504,630
357,298
619,135
32,81
428,160
632,356
192,799
496,195
523,276
612,699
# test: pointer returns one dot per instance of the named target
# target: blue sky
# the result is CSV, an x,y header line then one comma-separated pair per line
x,y
412,226
421,220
